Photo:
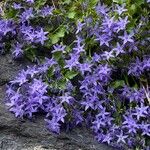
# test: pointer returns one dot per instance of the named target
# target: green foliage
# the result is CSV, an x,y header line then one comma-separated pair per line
x,y
70,74
58,34
39,3
118,83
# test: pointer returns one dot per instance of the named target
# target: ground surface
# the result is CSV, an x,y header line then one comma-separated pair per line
x,y
16,134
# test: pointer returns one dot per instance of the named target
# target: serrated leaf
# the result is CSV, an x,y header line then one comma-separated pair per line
x,y
56,37
71,74
61,32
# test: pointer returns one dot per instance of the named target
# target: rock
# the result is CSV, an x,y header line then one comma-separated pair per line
x,y
8,68
16,134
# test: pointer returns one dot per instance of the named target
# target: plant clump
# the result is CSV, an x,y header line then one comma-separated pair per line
x,y
92,63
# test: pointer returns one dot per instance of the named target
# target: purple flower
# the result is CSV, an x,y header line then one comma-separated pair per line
x,y
21,78
96,58
78,118
53,125
103,114
130,124
103,70
122,23
141,111
88,104
15,97
30,37
127,38
98,123
6,26
72,62
41,36
30,109
137,95
46,11
120,9
46,65
38,86
28,33
107,138
121,137
17,6
102,9
58,113
79,49
29,1
108,22
118,116
79,46
118,49
17,110
86,67
32,71
103,39
108,55
136,68
10,91
26,29
17,50
59,48
66,98
145,128
79,27
146,63
26,15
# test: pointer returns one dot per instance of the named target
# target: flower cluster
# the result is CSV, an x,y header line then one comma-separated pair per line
x,y
28,94
139,67
99,76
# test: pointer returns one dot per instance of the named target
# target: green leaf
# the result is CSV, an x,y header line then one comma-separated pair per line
x,y
132,9
66,2
119,1
139,2
71,74
71,14
50,72
118,83
62,84
11,13
39,3
61,32
54,39
61,62
57,55
93,2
